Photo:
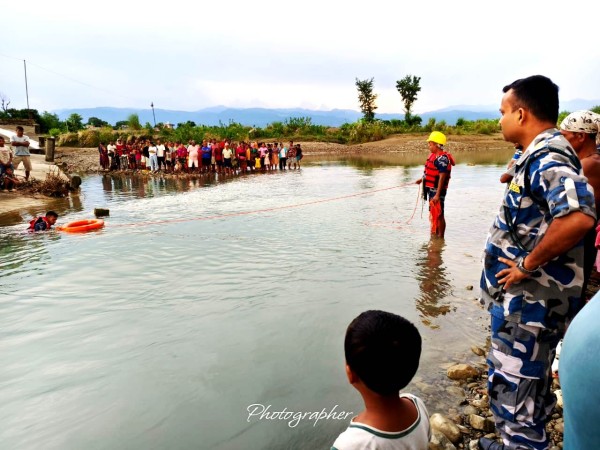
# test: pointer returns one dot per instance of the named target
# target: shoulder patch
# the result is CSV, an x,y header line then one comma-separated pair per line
x,y
514,187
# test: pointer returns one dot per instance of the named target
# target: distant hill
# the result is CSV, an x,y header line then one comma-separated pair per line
x,y
261,117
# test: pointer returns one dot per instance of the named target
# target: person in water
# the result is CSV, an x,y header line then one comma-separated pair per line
x,y
43,223
436,178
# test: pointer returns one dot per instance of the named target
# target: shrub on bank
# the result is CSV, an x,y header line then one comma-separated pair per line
x,y
294,128
89,138
107,135
68,140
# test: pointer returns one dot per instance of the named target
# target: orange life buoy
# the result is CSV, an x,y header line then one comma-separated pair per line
x,y
80,226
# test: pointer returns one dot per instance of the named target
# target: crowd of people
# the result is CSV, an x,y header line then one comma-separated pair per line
x,y
210,156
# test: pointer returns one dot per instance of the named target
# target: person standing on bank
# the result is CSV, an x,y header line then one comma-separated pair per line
x,y
436,177
580,129
532,264
20,144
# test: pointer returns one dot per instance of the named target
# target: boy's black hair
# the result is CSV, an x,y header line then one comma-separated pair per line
x,y
383,349
538,94
51,214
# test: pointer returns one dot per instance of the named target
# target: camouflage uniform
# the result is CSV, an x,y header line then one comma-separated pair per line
x,y
528,320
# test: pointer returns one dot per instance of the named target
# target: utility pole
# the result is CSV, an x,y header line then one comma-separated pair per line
x,y
26,89
152,106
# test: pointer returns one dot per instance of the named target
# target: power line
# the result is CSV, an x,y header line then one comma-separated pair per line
x,y
11,57
72,79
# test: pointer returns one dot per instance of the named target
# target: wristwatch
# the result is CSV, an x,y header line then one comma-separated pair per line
x,y
522,268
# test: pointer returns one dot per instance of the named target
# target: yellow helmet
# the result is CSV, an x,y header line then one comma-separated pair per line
x,y
437,137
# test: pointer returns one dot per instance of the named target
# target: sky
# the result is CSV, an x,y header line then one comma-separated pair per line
x,y
184,55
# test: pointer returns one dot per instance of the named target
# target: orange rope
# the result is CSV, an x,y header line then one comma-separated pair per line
x,y
416,204
259,211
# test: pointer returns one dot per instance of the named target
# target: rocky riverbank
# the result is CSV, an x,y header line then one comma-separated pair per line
x,y
462,426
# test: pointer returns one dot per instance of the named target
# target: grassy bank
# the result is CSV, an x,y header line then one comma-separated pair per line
x,y
296,129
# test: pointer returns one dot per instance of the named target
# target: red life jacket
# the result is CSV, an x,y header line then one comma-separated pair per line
x,y
34,221
432,173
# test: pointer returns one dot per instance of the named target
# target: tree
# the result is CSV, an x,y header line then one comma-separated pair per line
x,y
4,102
409,87
74,122
366,98
133,121
24,114
95,122
121,124
596,109
49,121
561,116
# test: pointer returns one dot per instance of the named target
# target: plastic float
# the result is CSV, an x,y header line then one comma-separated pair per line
x,y
81,226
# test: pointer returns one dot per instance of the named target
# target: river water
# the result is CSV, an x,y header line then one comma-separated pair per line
x,y
201,298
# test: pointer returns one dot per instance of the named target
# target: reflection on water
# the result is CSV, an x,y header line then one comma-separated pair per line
x,y
150,186
433,282
160,335
369,161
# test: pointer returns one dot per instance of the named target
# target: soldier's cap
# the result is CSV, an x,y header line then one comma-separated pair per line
x,y
581,122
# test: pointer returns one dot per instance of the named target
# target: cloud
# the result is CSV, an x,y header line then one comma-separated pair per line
x,y
190,55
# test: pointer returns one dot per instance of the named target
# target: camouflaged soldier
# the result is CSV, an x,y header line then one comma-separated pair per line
x,y
533,264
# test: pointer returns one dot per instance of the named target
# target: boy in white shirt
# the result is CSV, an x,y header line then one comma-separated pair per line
x,y
382,356
20,144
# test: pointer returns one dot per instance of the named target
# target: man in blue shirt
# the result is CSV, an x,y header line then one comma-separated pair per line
x,y
533,264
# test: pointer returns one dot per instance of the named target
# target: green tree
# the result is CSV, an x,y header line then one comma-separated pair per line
x,y
133,122
596,109
120,124
74,122
95,122
409,87
24,114
49,121
561,116
366,98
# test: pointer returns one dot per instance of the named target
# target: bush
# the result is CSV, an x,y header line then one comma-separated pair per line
x,y
107,135
486,126
89,138
364,131
561,117
430,125
68,140
133,122
54,132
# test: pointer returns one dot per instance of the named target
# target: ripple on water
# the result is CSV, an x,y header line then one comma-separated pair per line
x,y
208,300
